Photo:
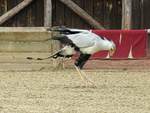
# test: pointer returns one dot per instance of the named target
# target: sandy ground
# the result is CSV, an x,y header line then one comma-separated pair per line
x,y
34,87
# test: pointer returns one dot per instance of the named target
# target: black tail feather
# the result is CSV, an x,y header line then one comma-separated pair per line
x,y
55,55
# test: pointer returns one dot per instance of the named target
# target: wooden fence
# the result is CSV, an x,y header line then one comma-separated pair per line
x,y
106,12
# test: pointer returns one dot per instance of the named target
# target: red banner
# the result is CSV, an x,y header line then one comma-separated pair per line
x,y
129,43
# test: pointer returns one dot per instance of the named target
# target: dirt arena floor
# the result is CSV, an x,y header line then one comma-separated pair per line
x,y
123,86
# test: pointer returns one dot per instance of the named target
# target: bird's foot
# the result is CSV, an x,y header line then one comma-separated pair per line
x,y
84,77
88,81
90,84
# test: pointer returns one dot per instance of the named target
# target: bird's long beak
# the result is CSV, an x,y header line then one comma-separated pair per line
x,y
111,52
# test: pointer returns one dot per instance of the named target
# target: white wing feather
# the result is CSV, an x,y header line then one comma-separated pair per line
x,y
84,39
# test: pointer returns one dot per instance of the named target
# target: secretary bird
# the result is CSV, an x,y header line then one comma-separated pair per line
x,y
82,41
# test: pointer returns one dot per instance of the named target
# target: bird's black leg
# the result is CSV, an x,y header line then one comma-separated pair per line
x,y
82,60
79,65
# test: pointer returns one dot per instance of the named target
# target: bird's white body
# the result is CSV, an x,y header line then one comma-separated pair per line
x,y
89,43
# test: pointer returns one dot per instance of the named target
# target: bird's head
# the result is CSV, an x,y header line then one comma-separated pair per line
x,y
112,48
